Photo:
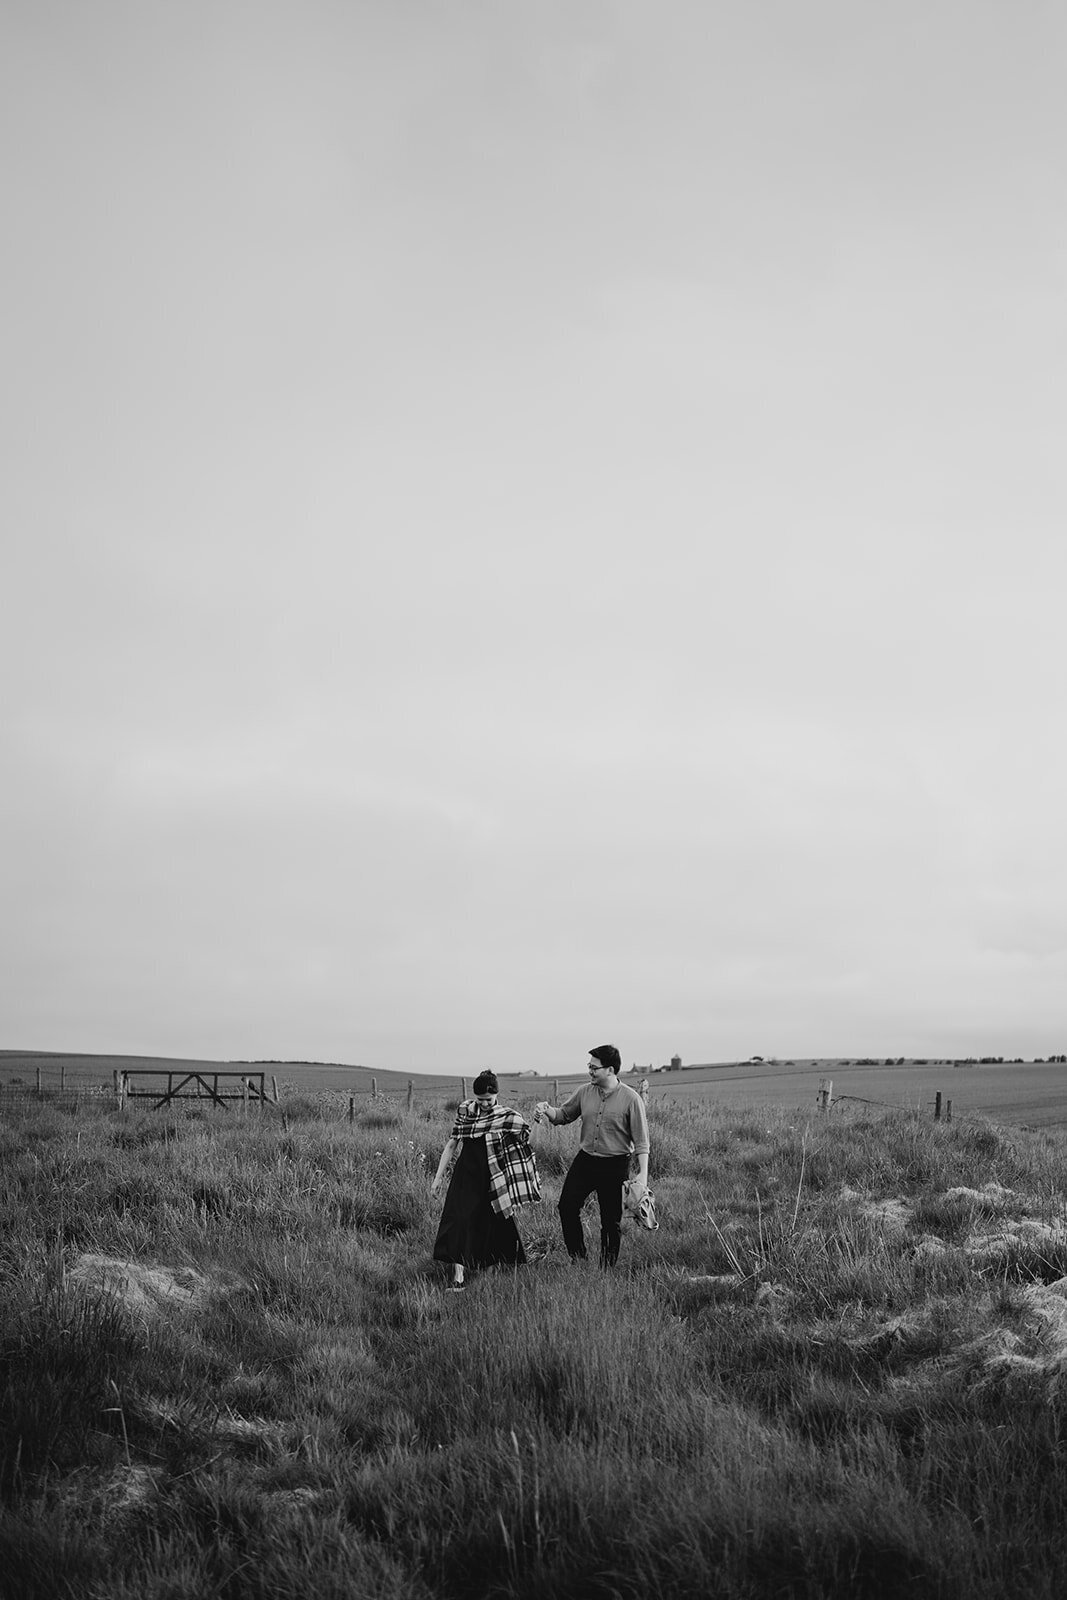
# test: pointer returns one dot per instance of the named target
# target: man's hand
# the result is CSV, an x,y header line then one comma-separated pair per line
x,y
435,1187
544,1109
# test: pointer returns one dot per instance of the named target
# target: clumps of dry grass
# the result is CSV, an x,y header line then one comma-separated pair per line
x,y
140,1287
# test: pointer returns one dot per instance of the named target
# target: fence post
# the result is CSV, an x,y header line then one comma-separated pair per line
x,y
38,1080
463,1088
374,1088
555,1091
937,1106
825,1094
351,1108
244,1095
411,1094
948,1110
274,1081
62,1076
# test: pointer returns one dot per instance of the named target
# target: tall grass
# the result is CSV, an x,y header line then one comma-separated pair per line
x,y
778,1393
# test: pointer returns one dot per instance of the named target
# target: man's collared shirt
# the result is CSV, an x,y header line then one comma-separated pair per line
x,y
614,1122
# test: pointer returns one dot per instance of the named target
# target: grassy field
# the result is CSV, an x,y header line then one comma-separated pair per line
x,y
1019,1093
228,1367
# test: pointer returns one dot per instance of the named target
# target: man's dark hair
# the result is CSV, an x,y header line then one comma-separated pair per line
x,y
485,1083
608,1056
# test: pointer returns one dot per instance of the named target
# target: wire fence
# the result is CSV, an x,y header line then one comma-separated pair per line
x,y
261,1093
21,1095
227,1090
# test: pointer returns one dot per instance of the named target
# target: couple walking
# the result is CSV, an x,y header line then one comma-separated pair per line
x,y
495,1171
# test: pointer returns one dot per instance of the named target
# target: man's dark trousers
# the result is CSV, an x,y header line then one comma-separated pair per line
x,y
605,1174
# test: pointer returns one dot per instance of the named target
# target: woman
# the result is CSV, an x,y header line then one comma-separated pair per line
x,y
495,1172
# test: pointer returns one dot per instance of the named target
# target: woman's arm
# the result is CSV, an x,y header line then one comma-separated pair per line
x,y
443,1165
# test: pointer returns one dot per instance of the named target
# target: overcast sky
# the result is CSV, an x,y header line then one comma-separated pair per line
x,y
528,524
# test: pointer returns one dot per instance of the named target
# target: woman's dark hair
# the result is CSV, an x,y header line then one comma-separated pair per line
x,y
485,1083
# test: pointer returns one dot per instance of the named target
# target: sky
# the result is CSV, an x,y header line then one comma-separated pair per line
x,y
531,524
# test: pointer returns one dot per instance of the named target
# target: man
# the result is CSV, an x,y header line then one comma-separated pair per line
x,y
614,1126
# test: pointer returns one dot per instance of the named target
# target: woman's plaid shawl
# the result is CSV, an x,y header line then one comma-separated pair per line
x,y
513,1179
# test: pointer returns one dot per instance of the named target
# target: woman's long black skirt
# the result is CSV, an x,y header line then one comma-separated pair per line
x,y
471,1233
